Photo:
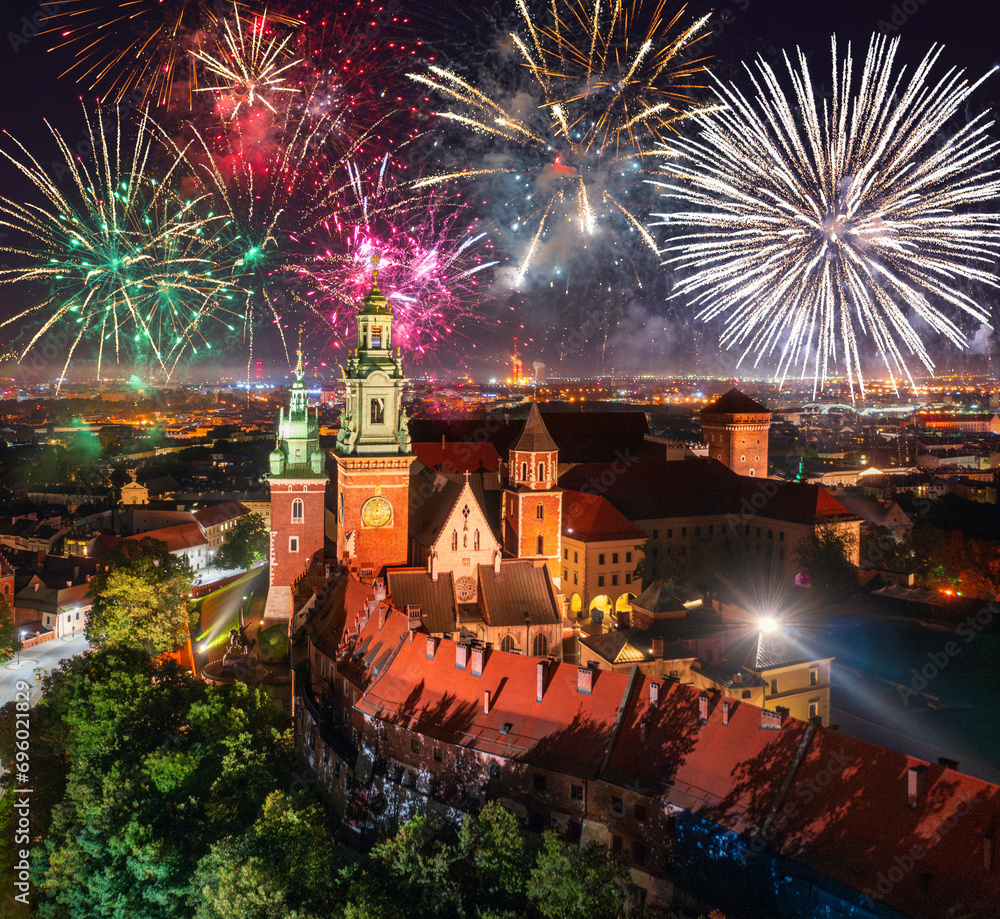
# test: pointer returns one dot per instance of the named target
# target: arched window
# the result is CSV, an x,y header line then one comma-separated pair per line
x,y
540,646
539,512
541,472
475,540
751,472
524,472
507,644
298,511
454,539
541,545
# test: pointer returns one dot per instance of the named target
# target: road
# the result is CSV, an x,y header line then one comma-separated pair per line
x,y
39,659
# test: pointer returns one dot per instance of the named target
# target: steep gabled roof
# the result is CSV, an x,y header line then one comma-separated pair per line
x,y
591,518
735,402
761,651
658,598
182,536
520,587
535,437
220,513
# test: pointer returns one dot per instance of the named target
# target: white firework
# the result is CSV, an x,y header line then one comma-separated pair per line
x,y
809,222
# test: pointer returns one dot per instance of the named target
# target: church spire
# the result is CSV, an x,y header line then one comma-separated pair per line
x,y
300,370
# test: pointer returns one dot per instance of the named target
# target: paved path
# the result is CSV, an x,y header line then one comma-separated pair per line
x,y
39,659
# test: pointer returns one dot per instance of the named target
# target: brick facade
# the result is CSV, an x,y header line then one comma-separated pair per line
x,y
288,559
358,479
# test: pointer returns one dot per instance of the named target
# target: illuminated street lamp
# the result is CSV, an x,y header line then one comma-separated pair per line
x,y
767,624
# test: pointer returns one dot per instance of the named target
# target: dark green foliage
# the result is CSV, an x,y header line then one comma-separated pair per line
x,y
246,543
161,767
572,883
140,597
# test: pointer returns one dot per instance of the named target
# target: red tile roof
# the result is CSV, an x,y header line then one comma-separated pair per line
x,y
591,518
851,821
458,456
567,731
182,536
220,513
535,438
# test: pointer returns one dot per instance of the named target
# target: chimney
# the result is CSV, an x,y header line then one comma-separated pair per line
x,y
432,643
654,694
381,616
585,681
540,680
916,781
379,589
496,562
461,656
486,701
725,711
703,708
658,648
770,721
477,661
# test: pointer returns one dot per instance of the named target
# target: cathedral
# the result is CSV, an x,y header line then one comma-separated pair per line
x,y
469,554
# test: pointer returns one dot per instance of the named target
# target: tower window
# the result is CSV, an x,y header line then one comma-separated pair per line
x,y
298,511
539,646
376,336
293,543
454,539
524,472
378,411
541,472
475,540
539,512
541,545
507,644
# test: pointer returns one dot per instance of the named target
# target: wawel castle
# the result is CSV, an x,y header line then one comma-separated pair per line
x,y
470,622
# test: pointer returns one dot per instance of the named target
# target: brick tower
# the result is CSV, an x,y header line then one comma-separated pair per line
x,y
298,482
532,503
735,427
373,446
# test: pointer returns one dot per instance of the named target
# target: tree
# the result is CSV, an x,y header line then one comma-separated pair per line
x,y
825,556
246,543
140,596
159,769
283,866
496,862
572,883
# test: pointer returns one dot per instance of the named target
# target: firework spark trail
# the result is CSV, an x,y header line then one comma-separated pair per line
x,y
812,223
118,252
609,81
248,66
138,46
428,262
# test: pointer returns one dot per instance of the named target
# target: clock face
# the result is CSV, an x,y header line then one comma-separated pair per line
x,y
376,512
465,589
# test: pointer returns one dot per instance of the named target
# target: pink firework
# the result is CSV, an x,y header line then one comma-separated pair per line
x,y
432,265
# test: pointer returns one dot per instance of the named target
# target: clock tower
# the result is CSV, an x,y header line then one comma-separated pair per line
x,y
373,446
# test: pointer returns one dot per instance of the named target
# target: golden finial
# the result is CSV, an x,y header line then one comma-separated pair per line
x,y
298,366
375,260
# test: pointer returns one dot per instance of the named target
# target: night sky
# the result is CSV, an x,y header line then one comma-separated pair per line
x,y
33,89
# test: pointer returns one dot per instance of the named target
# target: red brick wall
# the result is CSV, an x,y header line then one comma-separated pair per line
x,y
287,566
741,447
358,479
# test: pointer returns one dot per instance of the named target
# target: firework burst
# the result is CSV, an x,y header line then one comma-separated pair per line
x,y
429,263
606,82
811,223
137,47
250,64
121,257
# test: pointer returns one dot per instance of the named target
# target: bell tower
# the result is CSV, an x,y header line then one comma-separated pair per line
x,y
373,445
298,482
532,502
